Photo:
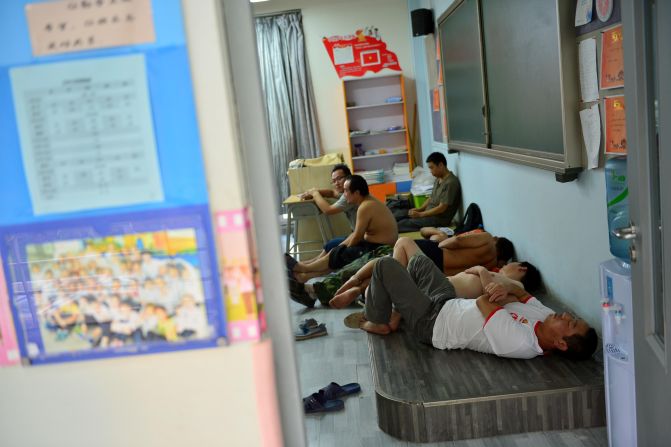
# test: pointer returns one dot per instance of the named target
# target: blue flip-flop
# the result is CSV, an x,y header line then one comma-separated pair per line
x,y
315,403
305,333
308,323
334,391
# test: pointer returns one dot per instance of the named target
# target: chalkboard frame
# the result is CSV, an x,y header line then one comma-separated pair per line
x,y
566,165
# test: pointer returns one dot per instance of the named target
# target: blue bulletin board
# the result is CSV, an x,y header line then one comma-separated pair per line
x,y
171,104
169,221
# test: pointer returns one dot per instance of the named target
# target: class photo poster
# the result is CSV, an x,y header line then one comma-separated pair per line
x,y
113,286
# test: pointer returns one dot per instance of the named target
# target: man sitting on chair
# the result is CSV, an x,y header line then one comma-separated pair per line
x,y
338,175
375,226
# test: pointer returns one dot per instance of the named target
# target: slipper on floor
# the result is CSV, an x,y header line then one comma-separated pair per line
x,y
315,404
354,320
334,391
308,323
306,333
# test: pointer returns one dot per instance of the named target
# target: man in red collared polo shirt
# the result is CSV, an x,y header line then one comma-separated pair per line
x,y
505,321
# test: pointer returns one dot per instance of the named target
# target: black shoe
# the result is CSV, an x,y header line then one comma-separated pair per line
x,y
298,293
290,261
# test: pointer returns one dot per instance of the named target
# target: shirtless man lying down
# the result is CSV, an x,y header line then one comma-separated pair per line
x,y
467,284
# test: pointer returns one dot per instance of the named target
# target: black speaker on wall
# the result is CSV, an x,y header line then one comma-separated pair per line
x,y
422,22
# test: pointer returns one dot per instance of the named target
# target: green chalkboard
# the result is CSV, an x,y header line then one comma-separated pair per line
x,y
462,74
510,81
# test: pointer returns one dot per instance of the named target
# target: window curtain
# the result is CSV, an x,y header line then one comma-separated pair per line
x,y
288,93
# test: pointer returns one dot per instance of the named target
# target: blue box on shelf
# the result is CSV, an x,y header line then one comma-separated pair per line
x,y
403,186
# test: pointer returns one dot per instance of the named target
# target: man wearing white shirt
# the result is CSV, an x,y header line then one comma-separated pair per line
x,y
505,321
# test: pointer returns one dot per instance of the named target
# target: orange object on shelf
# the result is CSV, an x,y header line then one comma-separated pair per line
x,y
381,190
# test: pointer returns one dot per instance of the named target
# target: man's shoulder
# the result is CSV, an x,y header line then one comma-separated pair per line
x,y
341,202
371,204
452,178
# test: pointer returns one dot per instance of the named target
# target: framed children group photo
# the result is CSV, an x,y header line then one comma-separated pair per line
x,y
118,285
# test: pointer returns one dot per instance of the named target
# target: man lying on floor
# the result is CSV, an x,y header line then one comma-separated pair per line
x,y
505,321
476,247
467,284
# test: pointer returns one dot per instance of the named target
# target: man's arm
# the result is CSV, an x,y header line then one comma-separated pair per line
x,y
510,293
414,213
441,208
486,307
472,240
325,207
518,292
446,197
498,291
363,219
309,194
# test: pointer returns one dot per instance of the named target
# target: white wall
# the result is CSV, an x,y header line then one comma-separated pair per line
x,y
559,227
323,18
205,397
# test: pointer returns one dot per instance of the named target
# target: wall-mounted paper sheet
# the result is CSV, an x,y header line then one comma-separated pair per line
x,y
615,119
86,132
591,134
71,25
583,12
612,58
589,86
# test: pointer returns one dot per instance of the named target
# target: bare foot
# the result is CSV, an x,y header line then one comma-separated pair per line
x,y
394,321
345,298
380,329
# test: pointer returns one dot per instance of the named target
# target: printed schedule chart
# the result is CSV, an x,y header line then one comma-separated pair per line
x,y
87,140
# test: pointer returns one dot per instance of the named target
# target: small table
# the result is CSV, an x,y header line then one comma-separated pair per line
x,y
298,209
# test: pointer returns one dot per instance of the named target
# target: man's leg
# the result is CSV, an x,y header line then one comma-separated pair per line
x,y
427,232
404,249
416,224
319,265
392,285
320,255
330,245
430,279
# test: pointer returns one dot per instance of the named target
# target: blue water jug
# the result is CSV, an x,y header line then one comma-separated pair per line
x,y
617,196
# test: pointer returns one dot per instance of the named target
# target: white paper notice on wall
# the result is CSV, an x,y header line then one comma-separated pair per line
x,y
583,12
75,25
591,133
86,133
589,81
343,55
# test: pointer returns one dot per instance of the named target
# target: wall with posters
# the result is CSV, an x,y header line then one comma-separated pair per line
x,y
326,18
219,386
559,227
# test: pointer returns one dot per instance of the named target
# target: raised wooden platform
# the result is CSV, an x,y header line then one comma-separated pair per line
x,y
428,395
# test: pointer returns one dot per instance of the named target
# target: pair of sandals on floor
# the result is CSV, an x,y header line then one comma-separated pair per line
x,y
329,398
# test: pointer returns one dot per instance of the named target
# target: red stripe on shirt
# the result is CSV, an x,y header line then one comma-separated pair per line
x,y
536,327
491,315
527,299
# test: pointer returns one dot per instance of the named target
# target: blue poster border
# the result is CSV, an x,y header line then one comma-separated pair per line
x,y
13,242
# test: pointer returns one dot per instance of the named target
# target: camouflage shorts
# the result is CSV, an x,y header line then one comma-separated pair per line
x,y
325,288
